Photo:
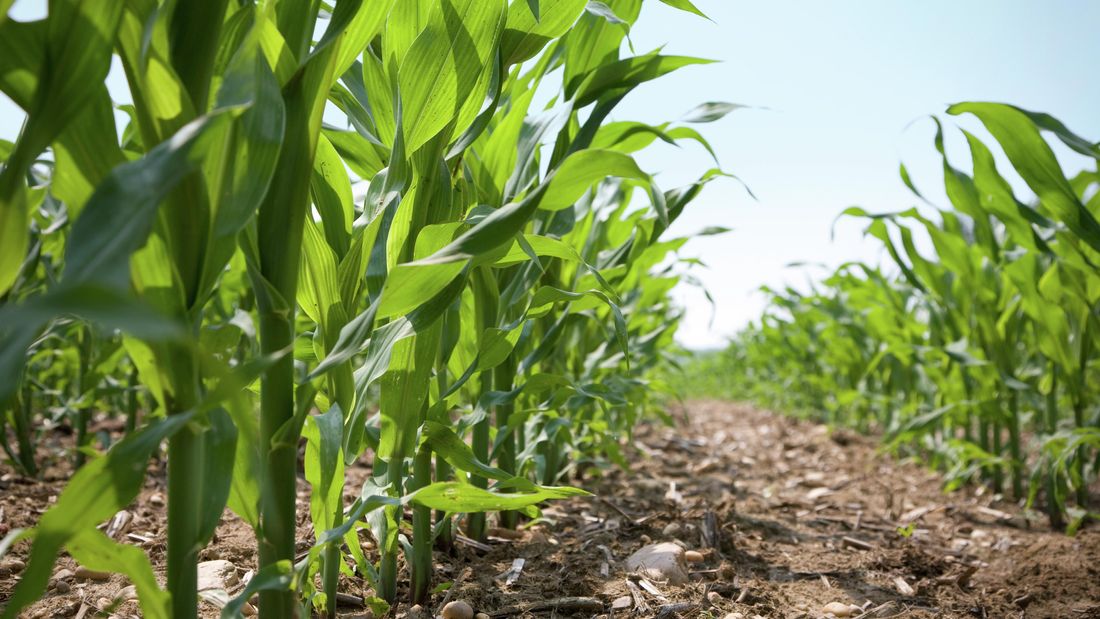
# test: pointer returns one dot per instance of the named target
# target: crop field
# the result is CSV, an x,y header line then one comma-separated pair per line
x,y
366,308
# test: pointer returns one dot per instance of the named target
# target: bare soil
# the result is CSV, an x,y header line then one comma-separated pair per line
x,y
787,515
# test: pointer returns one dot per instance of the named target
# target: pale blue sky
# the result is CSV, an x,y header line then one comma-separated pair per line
x,y
842,79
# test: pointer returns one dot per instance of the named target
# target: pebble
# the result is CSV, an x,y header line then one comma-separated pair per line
x,y
664,561
672,529
622,603
217,574
61,586
714,597
11,566
840,609
83,572
481,616
127,593
734,616
63,574
458,609
248,610
693,556
417,612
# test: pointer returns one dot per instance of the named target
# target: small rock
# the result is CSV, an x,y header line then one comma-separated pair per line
x,y
248,610
156,499
663,561
458,609
840,609
83,572
63,574
481,616
61,586
217,574
417,612
734,616
645,539
127,593
11,565
672,529
622,603
714,598
693,556
103,604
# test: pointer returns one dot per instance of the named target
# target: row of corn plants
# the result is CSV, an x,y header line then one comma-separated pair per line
x,y
980,355
402,232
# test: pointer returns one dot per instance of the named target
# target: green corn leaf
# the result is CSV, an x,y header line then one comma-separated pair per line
x,y
455,497
252,153
583,169
244,491
369,19
525,33
85,153
444,64
278,576
628,73
1032,157
601,10
220,445
324,466
685,5
331,191
77,42
413,283
20,324
120,214
356,151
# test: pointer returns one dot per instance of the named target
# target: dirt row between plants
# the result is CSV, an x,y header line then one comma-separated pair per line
x,y
784,518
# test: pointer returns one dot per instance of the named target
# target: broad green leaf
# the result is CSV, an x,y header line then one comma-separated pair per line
x,y
455,497
583,169
220,447
324,466
685,5
120,214
1035,161
525,34
78,37
628,73
444,64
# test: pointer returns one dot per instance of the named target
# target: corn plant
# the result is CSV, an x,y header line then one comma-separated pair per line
x,y
964,354
489,285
